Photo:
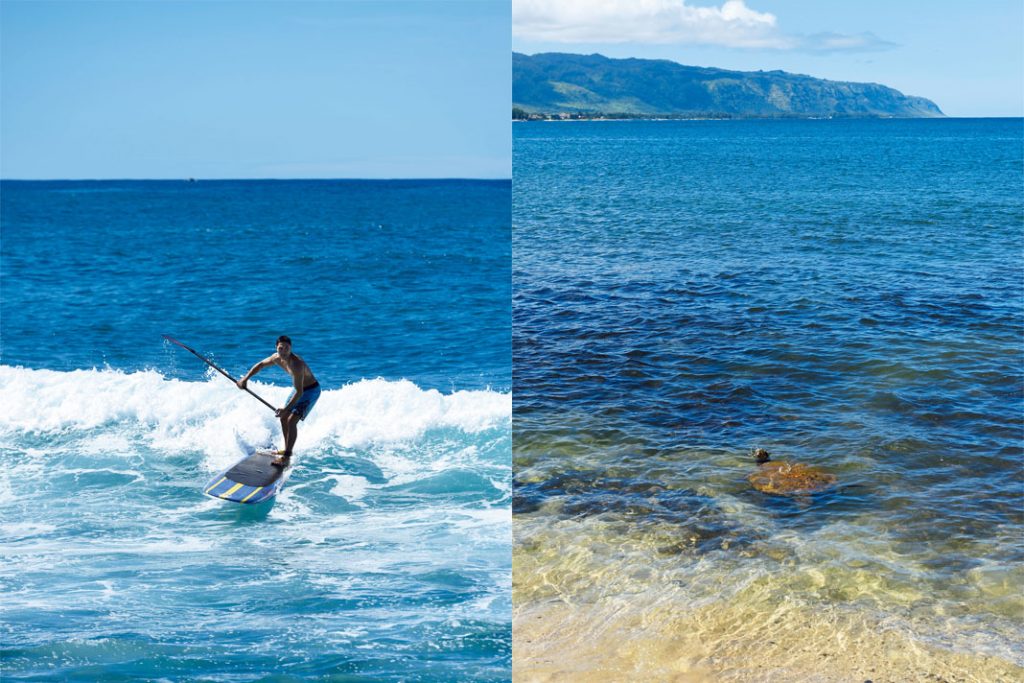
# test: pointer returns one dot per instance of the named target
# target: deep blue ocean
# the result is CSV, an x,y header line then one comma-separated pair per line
x,y
387,554
848,295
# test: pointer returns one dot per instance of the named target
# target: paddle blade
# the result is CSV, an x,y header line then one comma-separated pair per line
x,y
175,341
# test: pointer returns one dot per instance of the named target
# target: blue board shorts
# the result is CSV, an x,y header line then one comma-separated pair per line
x,y
306,402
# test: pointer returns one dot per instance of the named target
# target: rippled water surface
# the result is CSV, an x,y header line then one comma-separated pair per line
x,y
846,294
386,555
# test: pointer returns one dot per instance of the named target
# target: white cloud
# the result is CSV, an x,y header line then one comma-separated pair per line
x,y
643,21
669,22
836,42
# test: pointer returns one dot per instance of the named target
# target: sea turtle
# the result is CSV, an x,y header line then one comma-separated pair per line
x,y
788,479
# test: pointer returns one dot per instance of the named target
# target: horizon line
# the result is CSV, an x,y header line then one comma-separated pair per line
x,y
197,180
652,117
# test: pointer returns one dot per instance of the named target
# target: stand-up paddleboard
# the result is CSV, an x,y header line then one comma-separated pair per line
x,y
251,480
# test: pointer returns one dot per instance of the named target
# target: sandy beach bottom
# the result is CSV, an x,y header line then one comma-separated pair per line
x,y
623,641
594,601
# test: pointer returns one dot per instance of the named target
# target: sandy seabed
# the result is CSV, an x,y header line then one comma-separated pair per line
x,y
555,641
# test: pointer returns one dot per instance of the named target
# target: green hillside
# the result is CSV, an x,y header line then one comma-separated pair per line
x,y
557,83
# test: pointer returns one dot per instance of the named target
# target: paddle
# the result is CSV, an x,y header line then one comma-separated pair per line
x,y
212,365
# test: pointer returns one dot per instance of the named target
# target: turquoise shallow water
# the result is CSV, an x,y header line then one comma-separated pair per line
x,y
846,294
386,556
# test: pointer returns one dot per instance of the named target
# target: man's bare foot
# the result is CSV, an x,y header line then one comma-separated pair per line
x,y
282,460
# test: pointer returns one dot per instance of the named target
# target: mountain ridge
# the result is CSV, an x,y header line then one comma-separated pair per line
x,y
556,83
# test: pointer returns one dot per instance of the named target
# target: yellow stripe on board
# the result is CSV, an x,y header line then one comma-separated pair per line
x,y
215,485
231,490
258,489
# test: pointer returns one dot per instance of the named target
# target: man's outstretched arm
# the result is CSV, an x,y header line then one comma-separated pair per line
x,y
265,363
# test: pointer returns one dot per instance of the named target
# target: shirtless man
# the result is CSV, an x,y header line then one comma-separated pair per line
x,y
302,399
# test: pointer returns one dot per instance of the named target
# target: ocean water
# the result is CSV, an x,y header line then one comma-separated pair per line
x,y
387,554
846,294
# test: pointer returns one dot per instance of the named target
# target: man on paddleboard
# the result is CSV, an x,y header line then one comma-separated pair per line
x,y
302,399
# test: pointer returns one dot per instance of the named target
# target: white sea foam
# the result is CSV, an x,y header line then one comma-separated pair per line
x,y
105,443
22,530
175,415
350,487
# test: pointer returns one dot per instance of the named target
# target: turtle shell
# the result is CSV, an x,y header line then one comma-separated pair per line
x,y
790,479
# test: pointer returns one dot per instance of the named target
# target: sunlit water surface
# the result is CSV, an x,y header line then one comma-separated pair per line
x,y
385,557
846,294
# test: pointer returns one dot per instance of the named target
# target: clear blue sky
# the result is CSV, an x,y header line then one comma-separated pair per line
x,y
968,57
159,89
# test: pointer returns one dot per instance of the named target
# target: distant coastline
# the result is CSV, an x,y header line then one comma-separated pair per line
x,y
562,86
522,115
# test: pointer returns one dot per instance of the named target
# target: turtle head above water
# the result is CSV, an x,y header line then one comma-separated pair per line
x,y
761,456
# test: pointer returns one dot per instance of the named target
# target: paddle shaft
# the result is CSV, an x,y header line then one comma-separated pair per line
x,y
214,366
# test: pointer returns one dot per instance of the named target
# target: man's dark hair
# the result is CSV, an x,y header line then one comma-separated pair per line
x,y
284,338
